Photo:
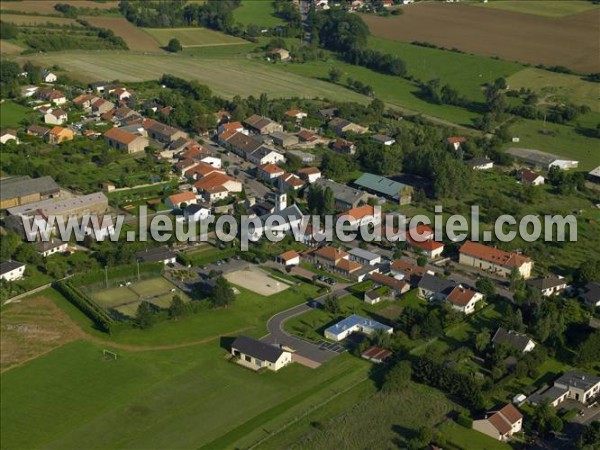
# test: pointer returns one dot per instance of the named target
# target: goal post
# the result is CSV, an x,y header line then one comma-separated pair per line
x,y
108,354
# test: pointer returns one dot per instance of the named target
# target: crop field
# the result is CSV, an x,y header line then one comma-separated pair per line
x,y
193,37
570,41
224,76
47,6
11,114
135,38
9,48
557,87
126,299
36,20
554,8
257,12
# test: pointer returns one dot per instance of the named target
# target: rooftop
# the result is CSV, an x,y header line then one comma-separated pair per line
x,y
22,186
493,255
436,284
156,254
257,349
512,338
356,321
381,185
9,266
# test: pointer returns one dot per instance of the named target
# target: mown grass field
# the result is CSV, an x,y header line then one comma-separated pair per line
x,y
193,37
9,48
257,12
555,8
135,38
11,114
462,437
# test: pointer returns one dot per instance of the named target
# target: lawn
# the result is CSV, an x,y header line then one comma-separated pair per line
x,y
11,114
206,254
257,12
193,37
544,8
462,437
124,403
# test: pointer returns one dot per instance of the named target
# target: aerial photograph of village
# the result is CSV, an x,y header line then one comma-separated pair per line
x,y
299,224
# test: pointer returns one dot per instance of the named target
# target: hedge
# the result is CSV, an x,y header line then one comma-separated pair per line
x,y
100,318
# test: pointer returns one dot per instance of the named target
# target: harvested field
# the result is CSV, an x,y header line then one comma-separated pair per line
x,y
47,7
31,328
20,19
570,41
554,8
193,37
257,281
9,48
135,38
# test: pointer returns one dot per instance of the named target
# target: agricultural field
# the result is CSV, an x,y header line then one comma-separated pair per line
x,y
570,41
557,87
544,8
47,6
11,114
193,37
18,19
135,38
9,48
257,12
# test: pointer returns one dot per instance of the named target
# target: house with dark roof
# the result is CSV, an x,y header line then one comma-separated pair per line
x,y
528,176
480,163
256,355
573,385
242,144
11,270
434,288
16,191
548,285
383,139
345,196
500,424
51,247
262,125
382,186
591,294
156,254
519,341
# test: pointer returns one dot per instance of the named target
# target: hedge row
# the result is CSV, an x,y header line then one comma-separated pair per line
x,y
117,273
100,318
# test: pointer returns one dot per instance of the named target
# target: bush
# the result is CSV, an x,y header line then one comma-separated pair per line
x,y
464,421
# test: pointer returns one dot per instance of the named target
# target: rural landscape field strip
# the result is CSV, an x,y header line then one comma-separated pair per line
x,y
47,6
193,37
135,38
571,41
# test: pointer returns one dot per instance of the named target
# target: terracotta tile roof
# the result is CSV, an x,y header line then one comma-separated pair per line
x,y
456,139
290,254
331,253
231,126
57,130
203,169
293,112
182,197
408,268
215,179
511,413
307,136
500,423
429,245
292,180
493,255
271,169
348,266
308,171
120,136
376,353
460,296
386,280
359,212
528,175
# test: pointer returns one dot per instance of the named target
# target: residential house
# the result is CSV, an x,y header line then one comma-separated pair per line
x,y
328,113
304,157
378,185
56,117
464,299
577,386
289,258
433,288
376,354
37,130
51,247
383,139
496,261
156,255
213,161
226,130
48,77
213,194
101,106
163,133
50,95
501,424
283,139
328,256
480,163
408,272
243,145
12,271
350,269
355,324
217,186
290,182
296,114
196,212
342,126
121,94
591,294
548,285
364,257
398,287
9,135
265,155
432,249
343,146
176,201
257,355
124,140
201,170
85,100
345,196
262,125
280,53
60,134
528,176
308,139
372,296
309,174
456,141
269,172
519,341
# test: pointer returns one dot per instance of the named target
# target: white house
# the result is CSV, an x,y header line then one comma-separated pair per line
x,y
56,117
9,135
196,213
464,299
352,324
175,201
577,386
310,174
11,270
211,160
48,77
518,341
265,155
289,258
364,257
549,285
51,247
257,355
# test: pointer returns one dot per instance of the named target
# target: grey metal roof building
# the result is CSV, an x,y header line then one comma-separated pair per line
x,y
345,196
17,187
257,349
512,338
435,284
384,186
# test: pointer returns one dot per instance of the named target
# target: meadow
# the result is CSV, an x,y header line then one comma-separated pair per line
x,y
134,37
543,8
47,7
11,114
20,19
193,37
9,48
257,12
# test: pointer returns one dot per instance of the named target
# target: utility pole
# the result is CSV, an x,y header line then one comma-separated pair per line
x,y
106,276
138,268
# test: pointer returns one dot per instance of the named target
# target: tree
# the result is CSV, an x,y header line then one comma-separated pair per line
x,y
590,436
174,46
144,316
331,304
545,420
222,294
482,340
486,286
422,261
177,307
335,74
398,377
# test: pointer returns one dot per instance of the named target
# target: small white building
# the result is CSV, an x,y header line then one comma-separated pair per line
x,y
257,355
48,77
56,117
352,324
196,213
464,299
11,270
364,257
51,247
9,135
213,161
289,258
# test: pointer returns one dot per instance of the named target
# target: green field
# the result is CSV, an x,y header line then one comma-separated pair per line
x,y
462,437
556,8
11,114
257,12
206,254
193,37
557,87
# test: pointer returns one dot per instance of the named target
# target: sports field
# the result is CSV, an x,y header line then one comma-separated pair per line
x,y
135,38
193,37
555,8
570,41
256,280
11,114
257,12
125,299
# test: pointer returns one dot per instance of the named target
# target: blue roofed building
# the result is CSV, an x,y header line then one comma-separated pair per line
x,y
385,187
353,324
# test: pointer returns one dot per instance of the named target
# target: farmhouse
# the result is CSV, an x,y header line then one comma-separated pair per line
x,y
124,140
16,191
262,125
342,126
548,285
464,299
155,255
518,341
355,324
494,260
258,355
175,201
51,247
242,145
541,160
383,139
399,287
391,189
9,135
296,114
429,247
574,385
58,135
51,95
284,140
269,172
500,424
290,182
280,53
11,271
528,176
289,258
